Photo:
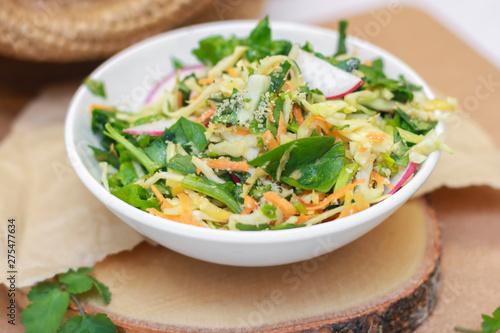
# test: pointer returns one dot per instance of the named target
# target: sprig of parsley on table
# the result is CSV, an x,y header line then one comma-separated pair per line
x,y
50,301
490,324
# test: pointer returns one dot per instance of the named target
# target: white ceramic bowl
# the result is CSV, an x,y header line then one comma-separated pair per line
x,y
128,77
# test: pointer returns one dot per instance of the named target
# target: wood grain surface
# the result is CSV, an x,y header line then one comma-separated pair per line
x,y
385,281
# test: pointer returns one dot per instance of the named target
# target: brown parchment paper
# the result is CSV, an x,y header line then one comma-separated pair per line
x,y
61,225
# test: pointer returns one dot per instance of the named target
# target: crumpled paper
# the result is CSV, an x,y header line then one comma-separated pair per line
x,y
61,225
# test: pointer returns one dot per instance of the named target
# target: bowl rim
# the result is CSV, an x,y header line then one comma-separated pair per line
x,y
231,236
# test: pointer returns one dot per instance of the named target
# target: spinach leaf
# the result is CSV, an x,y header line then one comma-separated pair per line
x,y
136,196
320,174
182,163
341,47
189,134
305,154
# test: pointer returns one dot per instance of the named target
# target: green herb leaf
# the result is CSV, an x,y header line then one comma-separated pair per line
x,y
491,324
127,174
341,47
95,87
278,76
314,162
136,196
320,174
106,156
103,290
137,152
47,310
182,163
78,281
213,190
190,134
99,323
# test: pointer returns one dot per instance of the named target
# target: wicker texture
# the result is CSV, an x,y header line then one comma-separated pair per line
x,y
76,30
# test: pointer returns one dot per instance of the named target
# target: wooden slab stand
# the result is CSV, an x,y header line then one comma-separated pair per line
x,y
385,281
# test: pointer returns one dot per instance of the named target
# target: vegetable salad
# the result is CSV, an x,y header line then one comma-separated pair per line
x,y
266,135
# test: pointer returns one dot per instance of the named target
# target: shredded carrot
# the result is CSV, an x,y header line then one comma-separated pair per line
x,y
163,202
271,115
361,149
207,81
281,127
198,170
326,126
180,100
304,218
380,179
187,211
112,149
206,115
250,205
284,205
156,212
195,96
297,113
102,107
223,164
287,86
240,130
269,140
368,63
273,68
334,196
376,137
232,71
348,211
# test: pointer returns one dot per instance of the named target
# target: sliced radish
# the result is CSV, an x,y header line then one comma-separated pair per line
x,y
406,176
168,82
320,74
153,129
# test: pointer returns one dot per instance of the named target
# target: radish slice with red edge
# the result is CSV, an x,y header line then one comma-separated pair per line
x,y
406,176
168,82
153,129
320,74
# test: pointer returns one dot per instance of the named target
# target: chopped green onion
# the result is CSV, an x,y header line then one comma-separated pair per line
x,y
345,176
269,211
300,207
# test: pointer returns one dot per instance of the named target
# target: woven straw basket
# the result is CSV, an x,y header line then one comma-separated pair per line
x,y
75,30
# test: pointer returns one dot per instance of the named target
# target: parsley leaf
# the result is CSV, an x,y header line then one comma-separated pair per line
x,y
103,290
95,87
90,323
50,301
491,324
77,282
47,310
